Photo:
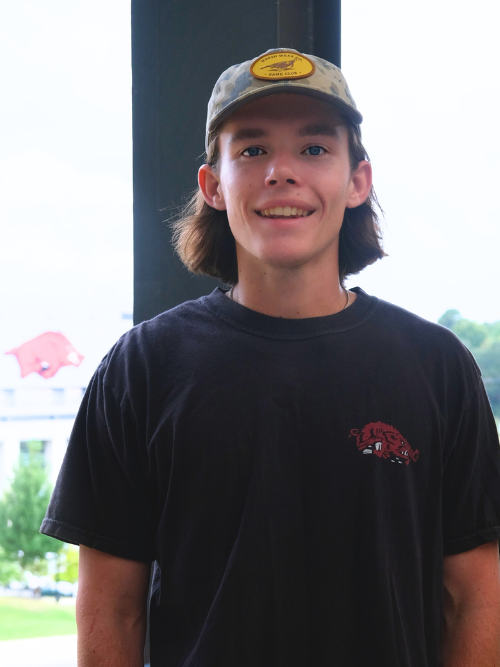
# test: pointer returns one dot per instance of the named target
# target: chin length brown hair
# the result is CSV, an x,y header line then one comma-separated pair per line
x,y
205,243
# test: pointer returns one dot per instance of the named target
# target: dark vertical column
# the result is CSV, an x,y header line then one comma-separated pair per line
x,y
146,150
310,26
327,30
178,51
295,25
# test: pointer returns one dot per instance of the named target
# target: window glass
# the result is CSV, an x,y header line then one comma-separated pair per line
x,y
66,271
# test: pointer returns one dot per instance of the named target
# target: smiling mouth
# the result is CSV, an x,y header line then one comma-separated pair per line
x,y
284,212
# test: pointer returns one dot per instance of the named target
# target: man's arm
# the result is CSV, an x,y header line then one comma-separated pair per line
x,y
471,633
111,610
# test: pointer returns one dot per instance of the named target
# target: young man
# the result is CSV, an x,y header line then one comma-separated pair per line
x,y
314,472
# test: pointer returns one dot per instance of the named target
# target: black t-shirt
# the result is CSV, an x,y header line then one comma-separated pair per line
x,y
297,482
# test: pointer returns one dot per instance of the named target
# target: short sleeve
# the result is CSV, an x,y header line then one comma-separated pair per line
x,y
101,498
471,479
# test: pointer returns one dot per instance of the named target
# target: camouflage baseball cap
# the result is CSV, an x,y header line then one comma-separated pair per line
x,y
279,71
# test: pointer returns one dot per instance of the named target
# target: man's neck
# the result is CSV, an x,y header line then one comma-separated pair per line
x,y
293,294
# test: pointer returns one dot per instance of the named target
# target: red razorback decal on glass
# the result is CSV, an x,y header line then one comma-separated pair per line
x,y
384,441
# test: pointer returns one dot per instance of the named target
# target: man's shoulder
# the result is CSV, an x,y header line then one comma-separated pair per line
x,y
170,334
189,315
401,322
432,345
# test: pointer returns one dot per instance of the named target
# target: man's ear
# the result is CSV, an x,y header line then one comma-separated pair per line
x,y
210,186
361,183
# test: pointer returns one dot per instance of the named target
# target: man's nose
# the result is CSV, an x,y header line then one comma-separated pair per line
x,y
281,171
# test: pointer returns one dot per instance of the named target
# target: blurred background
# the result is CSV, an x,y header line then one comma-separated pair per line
x,y
423,75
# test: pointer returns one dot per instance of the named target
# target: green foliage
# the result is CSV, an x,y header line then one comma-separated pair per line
x,y
68,564
471,333
10,570
449,318
483,340
22,510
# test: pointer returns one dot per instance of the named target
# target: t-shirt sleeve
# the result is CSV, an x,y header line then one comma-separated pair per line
x,y
102,497
471,479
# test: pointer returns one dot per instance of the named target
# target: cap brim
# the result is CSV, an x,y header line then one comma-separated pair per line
x,y
350,112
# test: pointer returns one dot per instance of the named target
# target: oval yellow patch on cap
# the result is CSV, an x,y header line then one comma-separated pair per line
x,y
282,65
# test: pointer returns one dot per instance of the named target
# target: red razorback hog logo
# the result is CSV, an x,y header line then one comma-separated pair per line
x,y
46,354
384,441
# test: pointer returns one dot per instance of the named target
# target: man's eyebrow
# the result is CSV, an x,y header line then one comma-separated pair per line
x,y
247,133
316,129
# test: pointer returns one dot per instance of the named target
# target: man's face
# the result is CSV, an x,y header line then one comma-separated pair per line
x,y
285,180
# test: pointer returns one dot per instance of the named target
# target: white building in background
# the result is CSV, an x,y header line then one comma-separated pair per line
x,y
36,408
42,413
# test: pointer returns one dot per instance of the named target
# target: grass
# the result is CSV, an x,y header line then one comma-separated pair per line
x,y
24,618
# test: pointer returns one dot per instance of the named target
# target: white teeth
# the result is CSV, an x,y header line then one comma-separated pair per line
x,y
284,211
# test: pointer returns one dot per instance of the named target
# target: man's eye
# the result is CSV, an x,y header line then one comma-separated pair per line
x,y
253,151
314,150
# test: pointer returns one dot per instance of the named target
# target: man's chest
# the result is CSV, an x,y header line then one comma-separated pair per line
x,y
359,433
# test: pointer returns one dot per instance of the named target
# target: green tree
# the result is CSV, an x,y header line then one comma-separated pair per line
x,y
471,333
483,340
22,510
9,570
69,564
449,318
488,359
